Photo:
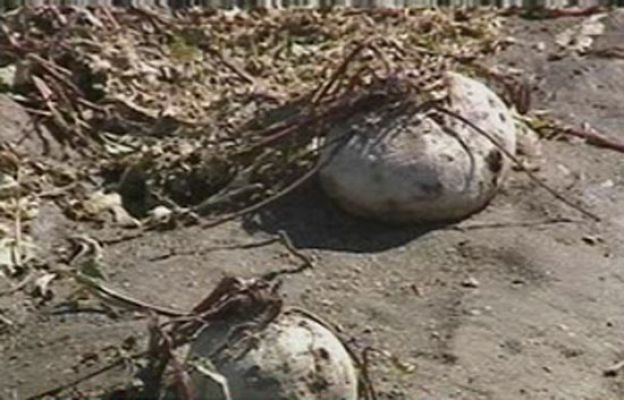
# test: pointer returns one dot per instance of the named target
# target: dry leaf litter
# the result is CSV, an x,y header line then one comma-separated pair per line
x,y
165,118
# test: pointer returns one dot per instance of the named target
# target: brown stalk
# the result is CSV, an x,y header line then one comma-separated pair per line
x,y
594,138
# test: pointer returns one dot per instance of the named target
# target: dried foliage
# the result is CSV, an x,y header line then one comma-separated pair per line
x,y
215,112
211,113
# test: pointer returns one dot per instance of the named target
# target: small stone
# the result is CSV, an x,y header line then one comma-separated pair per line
x,y
335,286
470,282
540,46
607,184
160,213
327,303
416,290
591,239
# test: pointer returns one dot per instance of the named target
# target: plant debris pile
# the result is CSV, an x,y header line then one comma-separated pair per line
x,y
218,113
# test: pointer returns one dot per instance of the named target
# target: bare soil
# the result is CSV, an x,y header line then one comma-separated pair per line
x,y
509,307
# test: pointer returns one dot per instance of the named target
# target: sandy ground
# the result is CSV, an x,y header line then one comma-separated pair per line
x,y
519,310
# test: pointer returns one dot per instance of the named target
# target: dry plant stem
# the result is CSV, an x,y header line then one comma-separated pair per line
x,y
177,253
107,295
324,89
222,197
285,240
157,359
226,285
514,224
110,295
225,300
182,379
334,109
21,285
369,390
123,238
519,164
107,12
231,65
18,219
57,191
611,52
594,138
57,72
6,321
282,130
614,370
266,201
37,112
306,262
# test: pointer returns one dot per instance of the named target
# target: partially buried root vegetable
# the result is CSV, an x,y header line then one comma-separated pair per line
x,y
421,166
292,357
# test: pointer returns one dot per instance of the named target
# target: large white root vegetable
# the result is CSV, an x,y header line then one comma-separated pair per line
x,y
293,358
414,168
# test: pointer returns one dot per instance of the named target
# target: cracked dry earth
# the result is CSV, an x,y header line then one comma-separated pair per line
x,y
518,310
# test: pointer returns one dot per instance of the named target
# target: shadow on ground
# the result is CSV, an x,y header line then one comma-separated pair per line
x,y
312,221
